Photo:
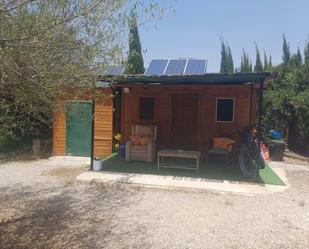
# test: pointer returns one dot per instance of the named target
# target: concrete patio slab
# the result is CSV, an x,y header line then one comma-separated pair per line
x,y
182,183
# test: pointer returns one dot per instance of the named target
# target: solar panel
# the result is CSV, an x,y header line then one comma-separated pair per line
x,y
175,67
156,67
115,70
195,67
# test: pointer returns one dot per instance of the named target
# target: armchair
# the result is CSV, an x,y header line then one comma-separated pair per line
x,y
142,145
223,147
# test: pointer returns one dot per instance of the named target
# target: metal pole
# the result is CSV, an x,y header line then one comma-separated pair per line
x,y
260,136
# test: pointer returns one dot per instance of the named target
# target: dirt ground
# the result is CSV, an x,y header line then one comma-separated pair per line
x,y
42,207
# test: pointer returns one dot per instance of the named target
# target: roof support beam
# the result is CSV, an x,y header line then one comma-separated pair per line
x,y
250,104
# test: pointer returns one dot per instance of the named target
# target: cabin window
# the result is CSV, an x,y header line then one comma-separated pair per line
x,y
147,108
225,110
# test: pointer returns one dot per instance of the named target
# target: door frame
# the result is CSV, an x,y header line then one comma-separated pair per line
x,y
171,97
66,118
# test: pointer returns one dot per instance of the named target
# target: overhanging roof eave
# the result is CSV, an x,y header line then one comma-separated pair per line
x,y
207,79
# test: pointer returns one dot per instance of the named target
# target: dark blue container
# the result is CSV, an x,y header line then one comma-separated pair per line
x,y
122,150
275,134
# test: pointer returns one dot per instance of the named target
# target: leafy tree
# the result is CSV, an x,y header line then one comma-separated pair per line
x,y
286,51
258,62
135,63
286,101
47,46
286,104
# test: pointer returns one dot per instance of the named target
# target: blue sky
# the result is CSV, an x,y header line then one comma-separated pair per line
x,y
195,29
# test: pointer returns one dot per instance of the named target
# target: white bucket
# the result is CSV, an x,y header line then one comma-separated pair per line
x,y
97,164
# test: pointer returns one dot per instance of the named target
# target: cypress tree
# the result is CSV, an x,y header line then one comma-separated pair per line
x,y
270,64
135,62
227,63
258,62
223,64
296,60
230,61
246,65
306,54
265,62
242,63
286,51
250,66
299,57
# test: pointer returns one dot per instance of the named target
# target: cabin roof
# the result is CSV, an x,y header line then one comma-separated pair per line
x,y
205,79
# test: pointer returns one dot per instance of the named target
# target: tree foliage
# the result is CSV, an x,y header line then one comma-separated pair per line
x,y
286,51
306,54
265,62
270,63
47,46
245,65
135,62
227,64
287,101
258,61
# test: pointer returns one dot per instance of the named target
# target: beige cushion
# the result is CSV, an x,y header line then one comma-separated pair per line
x,y
144,130
145,140
223,143
136,140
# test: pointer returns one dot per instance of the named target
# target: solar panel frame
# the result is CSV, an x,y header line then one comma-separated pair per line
x,y
156,67
115,70
176,67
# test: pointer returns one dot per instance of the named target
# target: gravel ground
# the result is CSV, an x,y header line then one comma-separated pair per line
x,y
291,157
41,207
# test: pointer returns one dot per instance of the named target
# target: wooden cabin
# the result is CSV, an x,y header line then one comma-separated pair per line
x,y
188,111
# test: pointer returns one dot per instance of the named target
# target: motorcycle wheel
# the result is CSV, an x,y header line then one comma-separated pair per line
x,y
245,162
259,157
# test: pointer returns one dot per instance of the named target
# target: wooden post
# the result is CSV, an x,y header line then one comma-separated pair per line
x,y
261,92
250,105
92,134
117,92
92,124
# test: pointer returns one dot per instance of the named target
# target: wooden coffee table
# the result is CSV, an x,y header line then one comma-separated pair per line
x,y
179,154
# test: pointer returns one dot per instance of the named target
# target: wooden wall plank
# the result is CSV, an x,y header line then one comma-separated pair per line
x,y
59,132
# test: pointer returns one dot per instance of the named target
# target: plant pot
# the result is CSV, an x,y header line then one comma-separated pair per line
x,y
97,164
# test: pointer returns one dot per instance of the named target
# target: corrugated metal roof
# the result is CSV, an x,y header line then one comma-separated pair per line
x,y
210,78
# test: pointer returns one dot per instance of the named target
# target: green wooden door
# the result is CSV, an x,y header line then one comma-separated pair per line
x,y
78,128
